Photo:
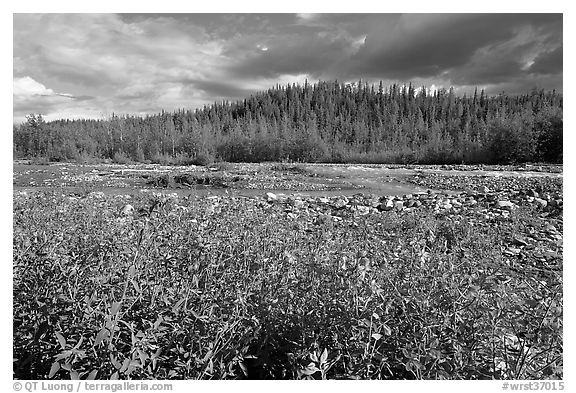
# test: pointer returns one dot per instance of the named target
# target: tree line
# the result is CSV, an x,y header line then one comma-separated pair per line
x,y
320,122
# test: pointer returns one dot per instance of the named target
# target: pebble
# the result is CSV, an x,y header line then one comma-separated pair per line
x,y
504,205
271,196
127,210
541,202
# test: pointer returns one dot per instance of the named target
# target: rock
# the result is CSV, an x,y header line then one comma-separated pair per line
x,y
340,202
550,228
510,251
541,202
210,209
485,189
398,205
127,210
271,197
519,241
363,210
504,205
532,193
388,205
298,203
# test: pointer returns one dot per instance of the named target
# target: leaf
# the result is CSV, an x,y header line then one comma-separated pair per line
x,y
115,362
41,330
376,336
142,355
314,357
79,342
92,375
158,322
131,271
114,376
54,369
61,340
324,356
243,368
115,308
532,303
386,329
102,335
310,369
74,375
209,355
63,355
176,307
125,365
135,285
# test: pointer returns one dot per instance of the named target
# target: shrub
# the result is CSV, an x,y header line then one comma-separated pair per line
x,y
121,158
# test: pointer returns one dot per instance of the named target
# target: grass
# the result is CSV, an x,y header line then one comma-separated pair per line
x,y
233,288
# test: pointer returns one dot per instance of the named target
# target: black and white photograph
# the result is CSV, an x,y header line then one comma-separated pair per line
x,y
287,196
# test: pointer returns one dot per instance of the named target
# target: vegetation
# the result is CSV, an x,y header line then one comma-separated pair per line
x,y
226,287
329,122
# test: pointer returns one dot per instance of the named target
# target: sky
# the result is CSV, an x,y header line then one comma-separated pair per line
x,y
93,65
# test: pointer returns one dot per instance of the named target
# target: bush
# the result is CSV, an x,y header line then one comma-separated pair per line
x,y
121,158
203,158
40,161
549,128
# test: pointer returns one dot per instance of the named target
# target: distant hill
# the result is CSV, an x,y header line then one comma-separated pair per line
x,y
324,121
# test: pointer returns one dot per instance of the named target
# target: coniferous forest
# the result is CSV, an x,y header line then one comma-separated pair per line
x,y
320,122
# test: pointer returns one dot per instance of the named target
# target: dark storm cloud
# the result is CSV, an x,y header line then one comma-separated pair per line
x,y
292,55
548,62
457,48
426,45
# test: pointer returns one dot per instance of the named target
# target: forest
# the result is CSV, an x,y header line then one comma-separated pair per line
x,y
319,122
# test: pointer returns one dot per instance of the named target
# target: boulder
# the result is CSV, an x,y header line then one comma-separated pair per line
x,y
340,202
541,202
504,205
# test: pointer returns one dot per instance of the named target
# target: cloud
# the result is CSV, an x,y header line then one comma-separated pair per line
x,y
31,96
548,62
219,90
23,87
429,45
451,49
